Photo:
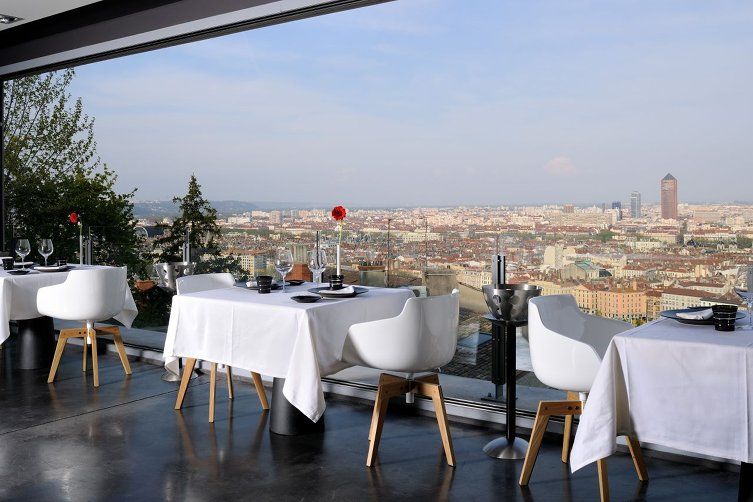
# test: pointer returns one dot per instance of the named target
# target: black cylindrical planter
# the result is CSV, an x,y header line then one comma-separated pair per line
x,y
34,344
286,419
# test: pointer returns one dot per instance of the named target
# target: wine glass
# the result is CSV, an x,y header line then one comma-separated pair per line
x,y
283,264
45,249
317,264
23,248
744,289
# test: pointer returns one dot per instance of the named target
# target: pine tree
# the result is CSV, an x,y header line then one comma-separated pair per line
x,y
198,215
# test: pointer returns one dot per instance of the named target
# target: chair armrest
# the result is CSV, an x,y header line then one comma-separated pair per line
x,y
599,332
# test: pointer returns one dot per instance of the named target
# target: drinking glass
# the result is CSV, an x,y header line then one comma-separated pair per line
x,y
283,264
45,249
317,264
744,289
23,248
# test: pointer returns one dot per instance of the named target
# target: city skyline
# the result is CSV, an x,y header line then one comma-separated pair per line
x,y
508,103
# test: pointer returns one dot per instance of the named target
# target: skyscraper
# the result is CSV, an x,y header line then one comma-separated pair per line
x,y
669,197
635,204
618,206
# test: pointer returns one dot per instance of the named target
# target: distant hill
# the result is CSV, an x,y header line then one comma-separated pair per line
x,y
164,208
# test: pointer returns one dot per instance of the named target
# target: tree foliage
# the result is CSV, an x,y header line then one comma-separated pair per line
x,y
52,169
198,216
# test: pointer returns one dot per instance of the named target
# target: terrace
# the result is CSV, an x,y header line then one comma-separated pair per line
x,y
123,439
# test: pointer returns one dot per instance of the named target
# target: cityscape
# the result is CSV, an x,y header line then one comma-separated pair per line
x,y
624,260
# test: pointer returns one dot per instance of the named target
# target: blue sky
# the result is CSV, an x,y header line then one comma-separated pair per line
x,y
438,102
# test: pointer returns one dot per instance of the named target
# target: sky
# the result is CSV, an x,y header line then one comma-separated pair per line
x,y
442,102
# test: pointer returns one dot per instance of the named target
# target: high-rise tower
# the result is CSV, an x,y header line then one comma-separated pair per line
x,y
635,204
669,197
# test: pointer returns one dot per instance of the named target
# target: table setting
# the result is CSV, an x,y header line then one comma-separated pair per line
x,y
294,332
272,334
20,280
684,381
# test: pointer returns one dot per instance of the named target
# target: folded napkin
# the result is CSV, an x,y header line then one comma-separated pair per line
x,y
697,315
344,291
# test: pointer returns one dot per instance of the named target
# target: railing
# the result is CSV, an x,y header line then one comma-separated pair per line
x,y
425,262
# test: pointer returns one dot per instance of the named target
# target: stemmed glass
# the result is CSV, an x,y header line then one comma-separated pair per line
x,y
45,249
744,289
23,248
317,264
283,264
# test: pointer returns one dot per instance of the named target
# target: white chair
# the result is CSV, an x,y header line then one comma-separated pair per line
x,y
205,282
88,296
567,347
422,338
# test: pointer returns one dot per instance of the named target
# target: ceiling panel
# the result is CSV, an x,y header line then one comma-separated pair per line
x,y
32,10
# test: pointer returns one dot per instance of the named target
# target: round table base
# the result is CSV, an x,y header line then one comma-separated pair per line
x,y
503,449
285,419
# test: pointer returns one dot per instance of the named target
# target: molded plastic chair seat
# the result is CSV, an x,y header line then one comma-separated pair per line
x,y
421,338
205,282
88,296
567,347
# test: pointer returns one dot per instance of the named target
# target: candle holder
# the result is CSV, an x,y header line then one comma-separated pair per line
x,y
336,281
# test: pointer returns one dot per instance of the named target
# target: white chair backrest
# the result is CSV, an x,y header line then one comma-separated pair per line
x,y
204,282
567,345
423,337
98,293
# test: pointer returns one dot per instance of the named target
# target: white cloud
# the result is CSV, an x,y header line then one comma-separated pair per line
x,y
561,166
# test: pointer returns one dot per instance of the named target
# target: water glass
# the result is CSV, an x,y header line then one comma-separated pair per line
x,y
317,264
45,249
283,264
23,248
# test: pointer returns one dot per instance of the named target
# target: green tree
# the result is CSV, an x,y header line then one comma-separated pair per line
x,y
197,215
52,169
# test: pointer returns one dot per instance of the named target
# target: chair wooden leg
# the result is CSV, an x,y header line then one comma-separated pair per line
x,y
377,421
389,386
121,352
537,434
637,453
59,348
259,385
229,378
86,349
429,386
601,466
95,364
568,430
375,412
212,389
184,381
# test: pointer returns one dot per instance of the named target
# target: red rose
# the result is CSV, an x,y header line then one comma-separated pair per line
x,y
338,213
73,218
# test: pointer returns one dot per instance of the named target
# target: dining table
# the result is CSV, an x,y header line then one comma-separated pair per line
x,y
271,334
18,302
676,385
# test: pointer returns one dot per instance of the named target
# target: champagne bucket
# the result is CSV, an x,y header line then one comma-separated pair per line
x,y
509,302
169,272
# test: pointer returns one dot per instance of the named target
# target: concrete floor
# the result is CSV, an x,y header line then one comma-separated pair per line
x,y
123,441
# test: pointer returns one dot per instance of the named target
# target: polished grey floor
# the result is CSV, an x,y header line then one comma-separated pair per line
x,y
123,441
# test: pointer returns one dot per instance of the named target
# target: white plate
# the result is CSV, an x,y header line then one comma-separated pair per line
x,y
51,268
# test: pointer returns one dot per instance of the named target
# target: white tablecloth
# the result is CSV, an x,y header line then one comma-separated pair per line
x,y
18,297
273,335
675,385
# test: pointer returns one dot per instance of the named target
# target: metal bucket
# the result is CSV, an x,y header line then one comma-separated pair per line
x,y
509,302
168,273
